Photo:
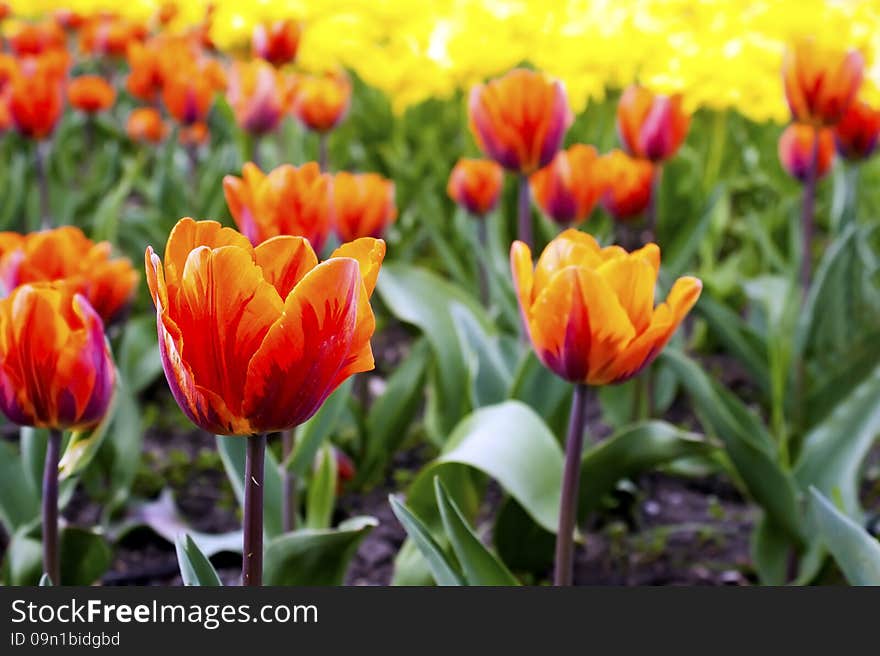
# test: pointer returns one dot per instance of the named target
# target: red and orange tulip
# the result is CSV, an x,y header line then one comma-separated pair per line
x,y
110,36
189,92
589,311
362,205
288,201
651,126
520,119
65,255
91,94
857,132
568,188
475,184
797,148
145,125
257,95
253,340
36,98
627,184
37,38
321,102
820,84
56,370
144,80
276,42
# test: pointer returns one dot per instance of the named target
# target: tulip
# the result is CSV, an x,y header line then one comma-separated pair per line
x,y
287,201
475,184
627,184
276,42
37,38
520,120
189,91
320,103
110,36
56,372
806,152
820,84
253,340
568,188
66,256
145,125
362,205
144,80
590,315
651,126
856,134
91,94
258,99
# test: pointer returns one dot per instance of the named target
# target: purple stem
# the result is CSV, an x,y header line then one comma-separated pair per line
x,y
252,551
808,215
51,556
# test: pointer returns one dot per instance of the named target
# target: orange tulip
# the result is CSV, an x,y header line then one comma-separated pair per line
x,y
589,311
36,99
568,188
144,80
820,84
110,36
56,370
91,94
189,92
66,255
37,38
321,102
257,96
362,205
475,184
287,201
651,126
520,119
276,42
627,184
796,150
145,125
253,340
856,134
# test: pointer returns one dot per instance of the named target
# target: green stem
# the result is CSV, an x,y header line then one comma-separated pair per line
x,y
524,213
564,571
323,152
483,260
288,482
43,185
808,217
717,141
252,547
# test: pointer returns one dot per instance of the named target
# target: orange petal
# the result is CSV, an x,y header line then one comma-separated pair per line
x,y
523,275
285,260
298,364
571,247
632,279
188,235
369,254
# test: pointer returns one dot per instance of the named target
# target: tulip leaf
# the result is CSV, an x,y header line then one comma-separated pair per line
x,y
138,354
833,452
23,563
313,433
195,568
314,556
85,556
630,451
441,567
545,392
19,500
232,452
322,491
122,447
521,544
855,550
480,566
747,442
423,299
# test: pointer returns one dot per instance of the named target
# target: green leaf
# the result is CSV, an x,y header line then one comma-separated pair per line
x,y
123,444
85,556
480,566
138,354
314,556
833,451
510,443
19,501
23,564
195,568
521,544
632,450
312,434
442,568
83,445
322,491
856,552
747,442
543,391
232,452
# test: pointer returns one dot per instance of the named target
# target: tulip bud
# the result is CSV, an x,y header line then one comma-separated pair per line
x,y
856,134
91,94
321,102
651,126
797,147
627,184
475,184
820,84
256,94
362,205
567,189
276,42
36,99
145,125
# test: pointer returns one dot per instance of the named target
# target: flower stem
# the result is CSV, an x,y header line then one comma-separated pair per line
x,y
650,232
808,215
51,556
323,153
564,572
288,491
482,259
252,552
43,184
524,213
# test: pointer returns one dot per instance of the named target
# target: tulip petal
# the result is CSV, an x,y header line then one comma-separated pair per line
x,y
188,235
369,254
523,275
632,279
285,261
298,364
571,247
